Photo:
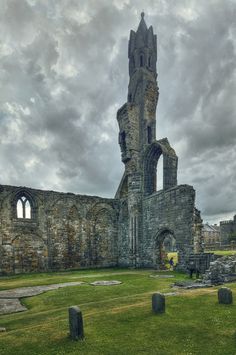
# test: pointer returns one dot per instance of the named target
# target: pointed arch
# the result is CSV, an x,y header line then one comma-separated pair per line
x,y
141,60
159,248
24,205
170,163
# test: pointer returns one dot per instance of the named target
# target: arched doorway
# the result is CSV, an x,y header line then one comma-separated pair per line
x,y
165,248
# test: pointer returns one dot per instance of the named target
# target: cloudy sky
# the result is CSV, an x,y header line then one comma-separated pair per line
x,y
64,74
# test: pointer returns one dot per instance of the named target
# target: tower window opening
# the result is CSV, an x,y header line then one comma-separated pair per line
x,y
130,97
150,62
123,140
23,208
149,134
141,60
159,174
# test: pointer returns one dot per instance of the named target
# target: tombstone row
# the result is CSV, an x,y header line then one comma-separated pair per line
x,y
158,306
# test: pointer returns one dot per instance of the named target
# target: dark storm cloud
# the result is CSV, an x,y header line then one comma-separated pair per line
x,y
64,74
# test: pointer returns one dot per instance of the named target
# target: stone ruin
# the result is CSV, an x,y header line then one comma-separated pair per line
x,y
221,270
46,230
212,269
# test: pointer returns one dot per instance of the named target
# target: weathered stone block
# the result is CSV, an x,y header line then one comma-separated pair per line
x,y
225,295
158,303
76,323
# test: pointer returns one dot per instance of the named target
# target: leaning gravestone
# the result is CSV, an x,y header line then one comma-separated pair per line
x,y
225,295
158,303
76,323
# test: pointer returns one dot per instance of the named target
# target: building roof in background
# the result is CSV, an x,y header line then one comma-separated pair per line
x,y
209,228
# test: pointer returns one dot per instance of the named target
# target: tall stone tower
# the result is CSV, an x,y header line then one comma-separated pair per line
x,y
140,151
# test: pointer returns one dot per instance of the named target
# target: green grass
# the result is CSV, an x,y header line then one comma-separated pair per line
x,y
223,252
118,319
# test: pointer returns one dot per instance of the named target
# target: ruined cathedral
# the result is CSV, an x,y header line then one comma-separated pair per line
x,y
47,230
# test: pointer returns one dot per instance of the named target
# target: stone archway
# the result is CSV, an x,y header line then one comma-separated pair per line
x,y
170,162
165,243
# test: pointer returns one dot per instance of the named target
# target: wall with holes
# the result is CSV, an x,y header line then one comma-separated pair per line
x,y
47,230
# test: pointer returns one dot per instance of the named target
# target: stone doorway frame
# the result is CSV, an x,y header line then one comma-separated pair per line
x,y
158,242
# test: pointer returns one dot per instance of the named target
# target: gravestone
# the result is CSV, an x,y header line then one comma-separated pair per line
x,y
158,303
76,323
225,295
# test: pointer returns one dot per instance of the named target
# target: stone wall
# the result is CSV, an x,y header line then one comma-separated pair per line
x,y
170,212
226,228
65,231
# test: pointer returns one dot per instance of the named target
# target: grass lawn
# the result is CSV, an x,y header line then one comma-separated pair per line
x,y
118,319
223,252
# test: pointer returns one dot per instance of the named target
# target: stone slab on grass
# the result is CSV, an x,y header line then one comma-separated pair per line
x,y
9,299
34,290
11,306
162,276
105,283
189,285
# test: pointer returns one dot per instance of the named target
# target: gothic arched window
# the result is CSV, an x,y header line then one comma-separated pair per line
x,y
23,208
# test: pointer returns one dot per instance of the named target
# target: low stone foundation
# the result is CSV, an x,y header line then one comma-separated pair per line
x,y
221,270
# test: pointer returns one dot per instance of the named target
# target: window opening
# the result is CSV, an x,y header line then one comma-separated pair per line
x,y
27,209
23,208
19,208
149,134
123,140
149,62
141,60
159,175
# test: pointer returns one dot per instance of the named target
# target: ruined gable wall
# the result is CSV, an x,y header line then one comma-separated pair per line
x,y
171,210
66,231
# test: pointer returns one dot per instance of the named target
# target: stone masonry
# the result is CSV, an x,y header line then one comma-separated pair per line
x,y
47,230
148,216
64,231
227,228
